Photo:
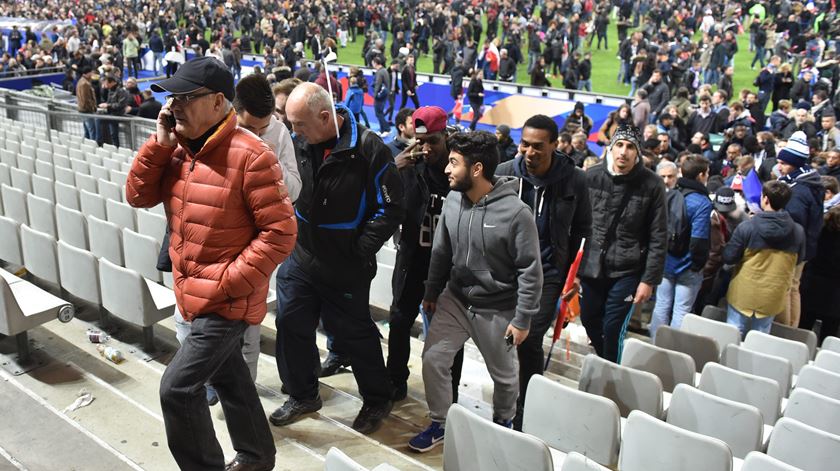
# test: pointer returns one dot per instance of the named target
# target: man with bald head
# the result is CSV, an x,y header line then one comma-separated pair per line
x,y
350,204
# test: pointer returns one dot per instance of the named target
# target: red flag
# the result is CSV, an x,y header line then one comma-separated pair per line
x,y
570,283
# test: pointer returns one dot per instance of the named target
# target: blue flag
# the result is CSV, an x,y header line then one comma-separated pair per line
x,y
751,186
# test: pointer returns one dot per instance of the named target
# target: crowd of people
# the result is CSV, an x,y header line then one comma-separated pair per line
x,y
703,195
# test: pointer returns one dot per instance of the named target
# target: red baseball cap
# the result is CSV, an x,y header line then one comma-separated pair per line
x,y
429,120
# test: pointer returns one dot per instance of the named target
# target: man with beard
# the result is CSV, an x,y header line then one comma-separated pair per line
x,y
487,247
421,167
556,192
625,257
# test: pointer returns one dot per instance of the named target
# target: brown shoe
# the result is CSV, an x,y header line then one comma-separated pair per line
x,y
237,465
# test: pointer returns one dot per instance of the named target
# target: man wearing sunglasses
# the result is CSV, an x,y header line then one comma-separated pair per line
x,y
231,223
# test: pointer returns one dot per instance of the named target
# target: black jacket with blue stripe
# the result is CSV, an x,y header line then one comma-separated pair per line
x,y
350,204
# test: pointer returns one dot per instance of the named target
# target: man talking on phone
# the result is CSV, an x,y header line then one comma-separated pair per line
x,y
487,247
231,223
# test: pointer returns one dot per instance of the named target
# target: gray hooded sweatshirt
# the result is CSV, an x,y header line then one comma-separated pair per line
x,y
489,252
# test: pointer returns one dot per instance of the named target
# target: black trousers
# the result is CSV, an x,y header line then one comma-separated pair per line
x,y
413,98
303,299
212,353
604,312
531,353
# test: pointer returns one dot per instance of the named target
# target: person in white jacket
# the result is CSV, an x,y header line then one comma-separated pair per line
x,y
254,106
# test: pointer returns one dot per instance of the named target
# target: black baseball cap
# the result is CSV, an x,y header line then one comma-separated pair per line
x,y
201,72
724,200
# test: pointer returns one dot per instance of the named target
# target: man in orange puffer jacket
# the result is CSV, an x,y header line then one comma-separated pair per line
x,y
231,223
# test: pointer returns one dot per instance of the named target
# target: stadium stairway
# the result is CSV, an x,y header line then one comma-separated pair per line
x,y
123,429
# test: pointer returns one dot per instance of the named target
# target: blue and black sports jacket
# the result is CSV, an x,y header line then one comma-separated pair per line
x,y
350,204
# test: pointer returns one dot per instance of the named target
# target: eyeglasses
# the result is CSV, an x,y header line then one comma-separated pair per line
x,y
186,99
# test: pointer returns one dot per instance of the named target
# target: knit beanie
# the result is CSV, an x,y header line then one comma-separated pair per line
x,y
796,152
627,132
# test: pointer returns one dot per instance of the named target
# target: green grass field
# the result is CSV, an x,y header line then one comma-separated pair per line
x,y
604,64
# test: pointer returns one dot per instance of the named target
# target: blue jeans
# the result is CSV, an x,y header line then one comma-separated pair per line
x,y
158,62
533,58
759,56
379,108
712,76
585,85
90,128
605,312
212,353
674,299
761,324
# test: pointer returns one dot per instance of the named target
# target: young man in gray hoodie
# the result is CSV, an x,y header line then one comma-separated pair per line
x,y
487,246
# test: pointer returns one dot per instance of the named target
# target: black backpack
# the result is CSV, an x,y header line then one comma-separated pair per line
x,y
679,227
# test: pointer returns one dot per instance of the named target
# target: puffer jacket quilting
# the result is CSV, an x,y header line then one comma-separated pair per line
x,y
231,221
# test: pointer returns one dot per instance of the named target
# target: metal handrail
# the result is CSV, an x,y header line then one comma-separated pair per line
x,y
54,115
31,73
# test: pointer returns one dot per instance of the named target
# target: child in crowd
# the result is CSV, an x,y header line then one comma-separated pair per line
x,y
765,251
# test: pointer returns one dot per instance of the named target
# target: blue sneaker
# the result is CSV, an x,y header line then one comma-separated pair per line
x,y
212,397
428,439
503,423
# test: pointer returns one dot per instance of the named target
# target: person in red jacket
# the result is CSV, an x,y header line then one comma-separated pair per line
x,y
231,223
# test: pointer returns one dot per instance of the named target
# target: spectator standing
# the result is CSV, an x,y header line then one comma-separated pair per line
x,y
158,50
150,107
820,296
538,74
703,120
507,148
641,109
658,95
829,135
405,135
577,121
585,73
355,98
832,164
805,207
381,91
86,102
765,251
353,205
557,194
475,95
131,53
688,248
408,83
426,188
498,304
117,104
254,106
507,67
260,231
625,257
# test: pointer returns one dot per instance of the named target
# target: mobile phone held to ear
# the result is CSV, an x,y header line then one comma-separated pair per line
x,y
170,121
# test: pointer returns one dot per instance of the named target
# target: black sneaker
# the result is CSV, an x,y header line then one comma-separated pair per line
x,y
333,364
371,416
292,409
400,392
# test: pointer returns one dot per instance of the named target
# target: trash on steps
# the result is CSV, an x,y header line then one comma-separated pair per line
x,y
84,400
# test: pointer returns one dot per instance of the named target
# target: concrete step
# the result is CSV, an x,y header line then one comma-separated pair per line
x,y
125,421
